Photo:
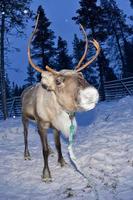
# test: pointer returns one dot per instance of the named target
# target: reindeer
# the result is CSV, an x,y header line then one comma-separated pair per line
x,y
52,102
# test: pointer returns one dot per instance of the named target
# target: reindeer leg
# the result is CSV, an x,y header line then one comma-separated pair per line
x,y
51,152
26,151
46,176
58,147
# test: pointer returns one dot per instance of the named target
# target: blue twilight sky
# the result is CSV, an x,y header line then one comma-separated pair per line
x,y
59,13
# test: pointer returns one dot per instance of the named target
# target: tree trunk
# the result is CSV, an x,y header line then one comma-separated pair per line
x,y
2,69
101,59
101,70
120,51
117,37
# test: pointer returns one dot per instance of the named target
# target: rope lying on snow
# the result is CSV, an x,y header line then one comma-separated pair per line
x,y
73,159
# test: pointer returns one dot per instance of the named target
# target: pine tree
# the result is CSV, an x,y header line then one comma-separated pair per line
x,y
131,3
118,30
90,15
30,80
11,16
43,43
63,60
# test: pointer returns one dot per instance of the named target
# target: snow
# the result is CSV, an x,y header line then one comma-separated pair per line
x,y
103,146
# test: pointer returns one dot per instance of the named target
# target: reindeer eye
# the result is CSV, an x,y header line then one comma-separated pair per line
x,y
59,80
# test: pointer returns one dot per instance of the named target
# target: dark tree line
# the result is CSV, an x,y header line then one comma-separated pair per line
x,y
11,16
104,22
43,46
107,23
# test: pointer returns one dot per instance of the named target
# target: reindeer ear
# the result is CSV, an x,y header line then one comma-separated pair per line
x,y
47,80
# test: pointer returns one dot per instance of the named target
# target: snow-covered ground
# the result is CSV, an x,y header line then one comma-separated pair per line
x,y
104,147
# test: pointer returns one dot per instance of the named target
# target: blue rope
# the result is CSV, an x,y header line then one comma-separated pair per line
x,y
72,131
74,159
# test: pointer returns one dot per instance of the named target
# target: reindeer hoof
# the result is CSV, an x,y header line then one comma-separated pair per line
x,y
27,155
27,158
46,176
46,179
62,162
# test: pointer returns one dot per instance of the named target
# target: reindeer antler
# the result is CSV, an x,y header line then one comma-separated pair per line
x,y
86,47
29,52
78,67
97,46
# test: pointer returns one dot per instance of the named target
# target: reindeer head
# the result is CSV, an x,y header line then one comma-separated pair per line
x,y
72,91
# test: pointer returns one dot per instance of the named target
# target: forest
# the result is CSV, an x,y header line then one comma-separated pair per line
x,y
102,20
